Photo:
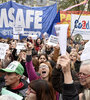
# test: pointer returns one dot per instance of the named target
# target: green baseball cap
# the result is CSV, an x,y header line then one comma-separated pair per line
x,y
14,66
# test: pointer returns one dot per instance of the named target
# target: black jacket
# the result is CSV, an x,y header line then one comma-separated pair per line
x,y
58,80
69,92
21,91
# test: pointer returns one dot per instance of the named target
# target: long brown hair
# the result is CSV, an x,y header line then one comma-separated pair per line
x,y
43,89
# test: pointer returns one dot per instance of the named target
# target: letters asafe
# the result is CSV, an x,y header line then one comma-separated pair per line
x,y
8,19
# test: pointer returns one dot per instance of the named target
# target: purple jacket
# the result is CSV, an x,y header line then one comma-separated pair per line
x,y
31,71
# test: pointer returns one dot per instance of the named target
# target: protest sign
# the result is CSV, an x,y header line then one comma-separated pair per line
x,y
2,52
3,48
21,46
81,26
18,30
5,45
61,31
16,36
7,92
65,17
53,40
34,20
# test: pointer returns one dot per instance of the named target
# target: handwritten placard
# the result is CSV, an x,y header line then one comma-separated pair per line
x,y
21,46
3,48
53,40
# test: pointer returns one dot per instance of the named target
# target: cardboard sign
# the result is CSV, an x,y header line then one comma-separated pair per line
x,y
53,40
15,36
3,48
5,45
61,31
18,30
7,92
21,46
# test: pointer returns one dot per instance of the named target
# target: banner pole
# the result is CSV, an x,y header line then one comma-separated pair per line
x,y
78,20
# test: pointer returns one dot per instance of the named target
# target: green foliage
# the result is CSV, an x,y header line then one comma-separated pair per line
x,y
67,3
3,1
89,5
63,4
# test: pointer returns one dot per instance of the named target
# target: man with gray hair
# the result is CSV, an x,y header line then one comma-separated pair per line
x,y
84,77
6,97
69,89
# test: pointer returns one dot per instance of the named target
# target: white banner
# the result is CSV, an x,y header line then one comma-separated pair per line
x,y
61,30
82,26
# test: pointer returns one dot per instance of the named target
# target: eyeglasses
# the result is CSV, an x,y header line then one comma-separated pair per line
x,y
41,66
82,75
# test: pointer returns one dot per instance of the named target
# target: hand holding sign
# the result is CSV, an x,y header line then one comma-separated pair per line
x,y
53,40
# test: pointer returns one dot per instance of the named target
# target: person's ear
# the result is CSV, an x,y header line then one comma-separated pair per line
x,y
19,77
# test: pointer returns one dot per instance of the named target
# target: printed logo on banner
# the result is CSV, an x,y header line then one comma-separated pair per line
x,y
81,26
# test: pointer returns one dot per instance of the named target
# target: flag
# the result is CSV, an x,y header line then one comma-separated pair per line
x,y
52,28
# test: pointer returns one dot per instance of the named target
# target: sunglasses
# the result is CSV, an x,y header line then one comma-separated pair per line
x,y
82,75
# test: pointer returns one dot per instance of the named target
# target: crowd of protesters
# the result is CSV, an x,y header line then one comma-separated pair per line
x,y
40,72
